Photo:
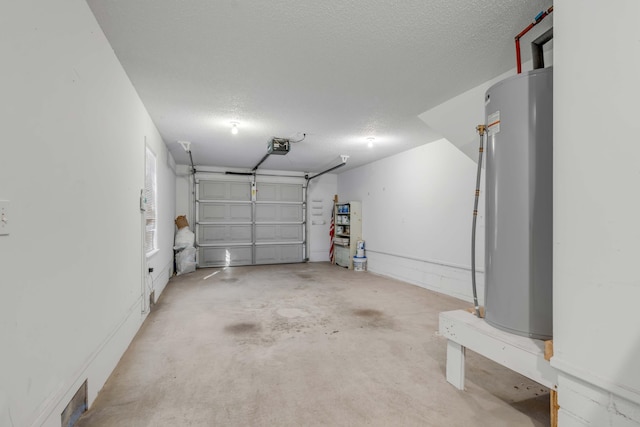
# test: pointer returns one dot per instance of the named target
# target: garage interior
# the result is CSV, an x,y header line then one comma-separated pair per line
x,y
249,119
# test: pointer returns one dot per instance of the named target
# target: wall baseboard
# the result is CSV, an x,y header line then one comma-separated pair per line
x,y
584,404
319,256
96,370
588,379
435,276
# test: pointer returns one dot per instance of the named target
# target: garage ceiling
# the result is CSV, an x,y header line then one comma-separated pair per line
x,y
339,71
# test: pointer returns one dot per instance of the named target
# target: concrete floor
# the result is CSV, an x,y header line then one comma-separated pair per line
x,y
303,345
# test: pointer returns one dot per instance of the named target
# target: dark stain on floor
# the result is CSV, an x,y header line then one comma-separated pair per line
x,y
367,312
242,328
230,280
371,318
304,275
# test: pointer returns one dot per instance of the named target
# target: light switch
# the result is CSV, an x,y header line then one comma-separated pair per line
x,y
4,218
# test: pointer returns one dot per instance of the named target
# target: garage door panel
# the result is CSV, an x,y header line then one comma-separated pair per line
x,y
209,234
290,193
291,232
224,212
266,191
240,191
240,212
266,233
290,213
273,212
223,256
209,212
278,233
266,212
277,254
221,190
273,192
209,190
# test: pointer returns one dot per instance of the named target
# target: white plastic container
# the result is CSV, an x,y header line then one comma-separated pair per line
x,y
359,264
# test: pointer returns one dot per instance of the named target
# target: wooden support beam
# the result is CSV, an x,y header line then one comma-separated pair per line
x,y
554,408
548,350
553,394
472,310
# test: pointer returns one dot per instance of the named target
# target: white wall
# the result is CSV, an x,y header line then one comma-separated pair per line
x,y
184,188
596,206
417,209
72,166
321,192
456,119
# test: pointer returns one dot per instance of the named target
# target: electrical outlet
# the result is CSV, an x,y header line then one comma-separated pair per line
x,y
5,223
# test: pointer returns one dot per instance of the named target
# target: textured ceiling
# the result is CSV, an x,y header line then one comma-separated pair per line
x,y
338,70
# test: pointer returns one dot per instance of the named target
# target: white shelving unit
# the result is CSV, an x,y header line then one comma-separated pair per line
x,y
348,230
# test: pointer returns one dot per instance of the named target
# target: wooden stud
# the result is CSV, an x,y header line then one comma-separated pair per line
x,y
548,350
553,395
472,310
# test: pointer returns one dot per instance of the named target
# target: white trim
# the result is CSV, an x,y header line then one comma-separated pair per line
x,y
429,261
259,172
438,277
152,253
149,154
57,400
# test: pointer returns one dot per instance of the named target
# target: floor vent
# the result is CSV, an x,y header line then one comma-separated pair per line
x,y
76,407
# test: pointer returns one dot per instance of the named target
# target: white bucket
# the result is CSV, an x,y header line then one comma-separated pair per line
x,y
359,264
360,244
360,253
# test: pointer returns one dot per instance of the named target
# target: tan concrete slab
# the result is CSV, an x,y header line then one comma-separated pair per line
x,y
303,345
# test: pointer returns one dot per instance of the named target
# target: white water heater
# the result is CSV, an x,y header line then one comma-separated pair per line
x,y
519,204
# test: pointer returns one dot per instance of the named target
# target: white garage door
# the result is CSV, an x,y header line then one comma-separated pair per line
x,y
233,229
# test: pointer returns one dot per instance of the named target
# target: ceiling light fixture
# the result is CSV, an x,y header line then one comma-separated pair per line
x,y
370,141
234,128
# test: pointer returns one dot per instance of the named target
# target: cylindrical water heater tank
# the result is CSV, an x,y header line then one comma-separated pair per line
x,y
519,201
